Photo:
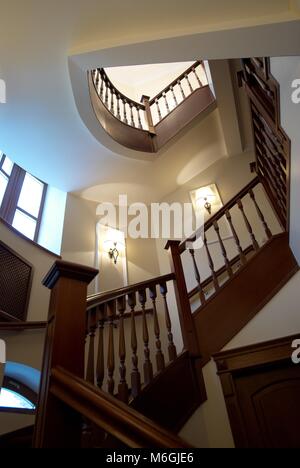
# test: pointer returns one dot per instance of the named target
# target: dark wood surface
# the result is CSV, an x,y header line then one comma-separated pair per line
x,y
116,418
173,396
242,297
261,389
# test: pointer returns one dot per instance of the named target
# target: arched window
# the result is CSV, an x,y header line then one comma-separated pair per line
x,y
20,389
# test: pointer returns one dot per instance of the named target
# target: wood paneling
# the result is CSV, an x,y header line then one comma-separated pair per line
x,y
261,387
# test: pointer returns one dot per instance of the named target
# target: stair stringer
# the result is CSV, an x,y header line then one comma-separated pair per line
x,y
242,297
173,395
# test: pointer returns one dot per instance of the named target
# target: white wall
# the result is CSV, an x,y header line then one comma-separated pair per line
x,y
286,70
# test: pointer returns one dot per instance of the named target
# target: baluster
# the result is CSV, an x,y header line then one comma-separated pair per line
x,y
97,79
261,216
197,77
135,374
124,111
181,89
174,95
160,359
166,102
158,109
171,345
118,107
248,225
227,263
188,82
112,104
148,369
102,89
90,374
106,93
139,118
236,238
197,276
131,114
211,265
123,387
111,309
100,360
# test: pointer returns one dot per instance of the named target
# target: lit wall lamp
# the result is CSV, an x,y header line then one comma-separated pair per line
x,y
114,248
207,198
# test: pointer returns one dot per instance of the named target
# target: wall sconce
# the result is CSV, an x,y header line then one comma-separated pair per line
x,y
113,248
206,198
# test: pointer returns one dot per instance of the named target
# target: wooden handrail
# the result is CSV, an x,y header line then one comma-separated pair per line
x,y
221,212
174,82
98,299
21,326
107,413
118,93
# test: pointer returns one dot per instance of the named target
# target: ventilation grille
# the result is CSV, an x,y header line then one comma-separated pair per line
x,y
15,283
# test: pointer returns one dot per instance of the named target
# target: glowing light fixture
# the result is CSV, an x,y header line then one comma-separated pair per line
x,y
206,198
114,244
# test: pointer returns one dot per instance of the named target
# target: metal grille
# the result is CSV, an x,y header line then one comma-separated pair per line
x,y
15,283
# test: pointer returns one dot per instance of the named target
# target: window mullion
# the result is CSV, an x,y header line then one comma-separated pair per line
x,y
12,194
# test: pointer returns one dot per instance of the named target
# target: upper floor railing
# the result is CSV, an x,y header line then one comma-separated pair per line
x,y
140,125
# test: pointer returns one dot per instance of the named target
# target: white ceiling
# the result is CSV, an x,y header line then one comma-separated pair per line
x,y
40,127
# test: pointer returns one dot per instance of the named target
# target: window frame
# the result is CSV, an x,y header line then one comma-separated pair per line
x,y
12,194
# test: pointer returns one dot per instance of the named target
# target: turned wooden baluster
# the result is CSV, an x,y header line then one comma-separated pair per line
x,y
124,112
224,253
197,77
135,374
106,93
174,95
97,79
90,373
181,89
160,359
102,89
123,387
112,102
158,109
131,114
100,361
188,82
166,102
111,311
261,216
236,238
248,225
211,265
148,368
118,107
171,346
139,118
197,276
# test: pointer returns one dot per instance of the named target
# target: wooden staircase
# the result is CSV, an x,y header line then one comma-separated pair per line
x,y
158,387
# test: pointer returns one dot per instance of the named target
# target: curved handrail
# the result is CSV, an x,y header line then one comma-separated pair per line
x,y
139,125
124,423
117,92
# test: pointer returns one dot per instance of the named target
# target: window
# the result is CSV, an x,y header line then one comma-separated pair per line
x,y
11,399
22,198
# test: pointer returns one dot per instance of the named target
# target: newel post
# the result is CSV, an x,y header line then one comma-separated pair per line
x,y
145,100
183,303
57,425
